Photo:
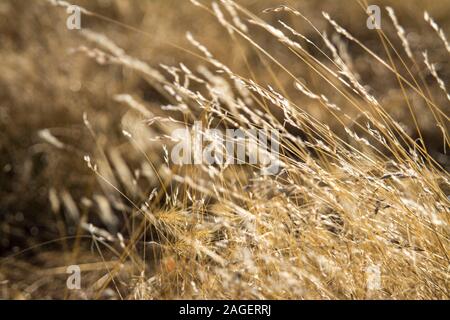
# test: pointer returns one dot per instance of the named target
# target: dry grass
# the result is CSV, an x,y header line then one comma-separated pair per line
x,y
362,117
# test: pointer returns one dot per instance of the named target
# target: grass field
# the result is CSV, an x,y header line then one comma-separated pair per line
x,y
358,208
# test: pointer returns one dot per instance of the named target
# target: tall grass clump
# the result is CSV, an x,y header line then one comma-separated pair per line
x,y
359,208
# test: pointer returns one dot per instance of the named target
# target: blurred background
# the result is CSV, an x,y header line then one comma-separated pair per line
x,y
45,88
